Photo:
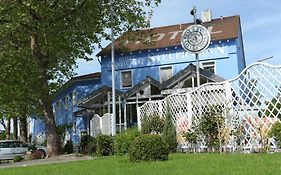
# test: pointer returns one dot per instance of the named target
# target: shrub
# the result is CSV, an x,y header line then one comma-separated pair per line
x,y
86,144
148,147
105,145
276,132
153,124
68,147
191,136
169,132
210,125
17,159
123,141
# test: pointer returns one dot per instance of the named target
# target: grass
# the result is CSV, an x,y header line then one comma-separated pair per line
x,y
186,164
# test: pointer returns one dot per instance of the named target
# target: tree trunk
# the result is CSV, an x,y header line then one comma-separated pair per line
x,y
15,128
53,141
8,129
23,128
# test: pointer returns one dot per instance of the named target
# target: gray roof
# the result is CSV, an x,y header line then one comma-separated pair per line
x,y
186,72
138,86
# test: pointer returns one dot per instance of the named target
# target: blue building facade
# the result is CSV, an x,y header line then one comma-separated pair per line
x,y
66,102
143,67
225,55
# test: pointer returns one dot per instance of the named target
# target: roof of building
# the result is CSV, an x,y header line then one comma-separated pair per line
x,y
95,94
189,70
76,79
87,76
162,37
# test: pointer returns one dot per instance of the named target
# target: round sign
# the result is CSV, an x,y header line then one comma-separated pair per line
x,y
195,39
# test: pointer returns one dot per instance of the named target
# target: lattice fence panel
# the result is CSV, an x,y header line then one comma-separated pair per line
x,y
101,125
250,103
95,125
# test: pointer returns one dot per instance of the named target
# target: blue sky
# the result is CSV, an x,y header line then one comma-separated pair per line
x,y
261,25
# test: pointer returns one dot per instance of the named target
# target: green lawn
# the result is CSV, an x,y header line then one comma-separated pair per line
x,y
187,164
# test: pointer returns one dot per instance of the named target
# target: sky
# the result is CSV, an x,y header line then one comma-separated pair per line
x,y
261,25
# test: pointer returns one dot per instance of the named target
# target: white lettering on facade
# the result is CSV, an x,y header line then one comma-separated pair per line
x,y
160,36
174,34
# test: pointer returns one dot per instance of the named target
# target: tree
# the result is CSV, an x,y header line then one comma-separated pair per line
x,y
169,133
54,34
17,90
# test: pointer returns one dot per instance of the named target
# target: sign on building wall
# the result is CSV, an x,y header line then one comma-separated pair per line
x,y
195,39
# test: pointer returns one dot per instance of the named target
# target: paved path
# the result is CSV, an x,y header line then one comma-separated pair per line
x,y
58,159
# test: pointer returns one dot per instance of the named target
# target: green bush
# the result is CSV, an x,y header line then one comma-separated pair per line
x,y
153,124
68,147
210,124
123,141
17,159
169,133
148,147
86,144
105,145
276,132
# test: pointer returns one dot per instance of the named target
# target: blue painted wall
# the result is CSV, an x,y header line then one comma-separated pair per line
x,y
63,114
228,59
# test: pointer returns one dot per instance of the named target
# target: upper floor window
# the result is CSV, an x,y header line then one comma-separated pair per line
x,y
210,66
58,105
126,79
66,102
74,97
165,73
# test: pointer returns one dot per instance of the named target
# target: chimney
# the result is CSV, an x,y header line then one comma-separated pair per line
x,y
206,16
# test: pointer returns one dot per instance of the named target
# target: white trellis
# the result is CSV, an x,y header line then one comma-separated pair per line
x,y
101,125
248,101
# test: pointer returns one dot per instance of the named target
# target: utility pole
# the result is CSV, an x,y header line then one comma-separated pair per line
x,y
193,13
113,70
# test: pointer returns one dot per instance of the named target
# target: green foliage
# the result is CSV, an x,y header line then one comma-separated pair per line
x,y
87,144
17,159
169,133
105,145
68,147
210,125
148,147
123,141
154,124
191,136
62,129
276,132
2,135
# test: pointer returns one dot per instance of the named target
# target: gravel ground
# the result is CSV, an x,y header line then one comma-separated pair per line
x,y
58,159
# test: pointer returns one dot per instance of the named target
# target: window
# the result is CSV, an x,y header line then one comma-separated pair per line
x,y
66,102
210,66
58,104
74,97
126,79
165,73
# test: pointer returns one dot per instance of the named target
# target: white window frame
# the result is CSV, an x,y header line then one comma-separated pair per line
x,y
214,63
121,83
161,67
